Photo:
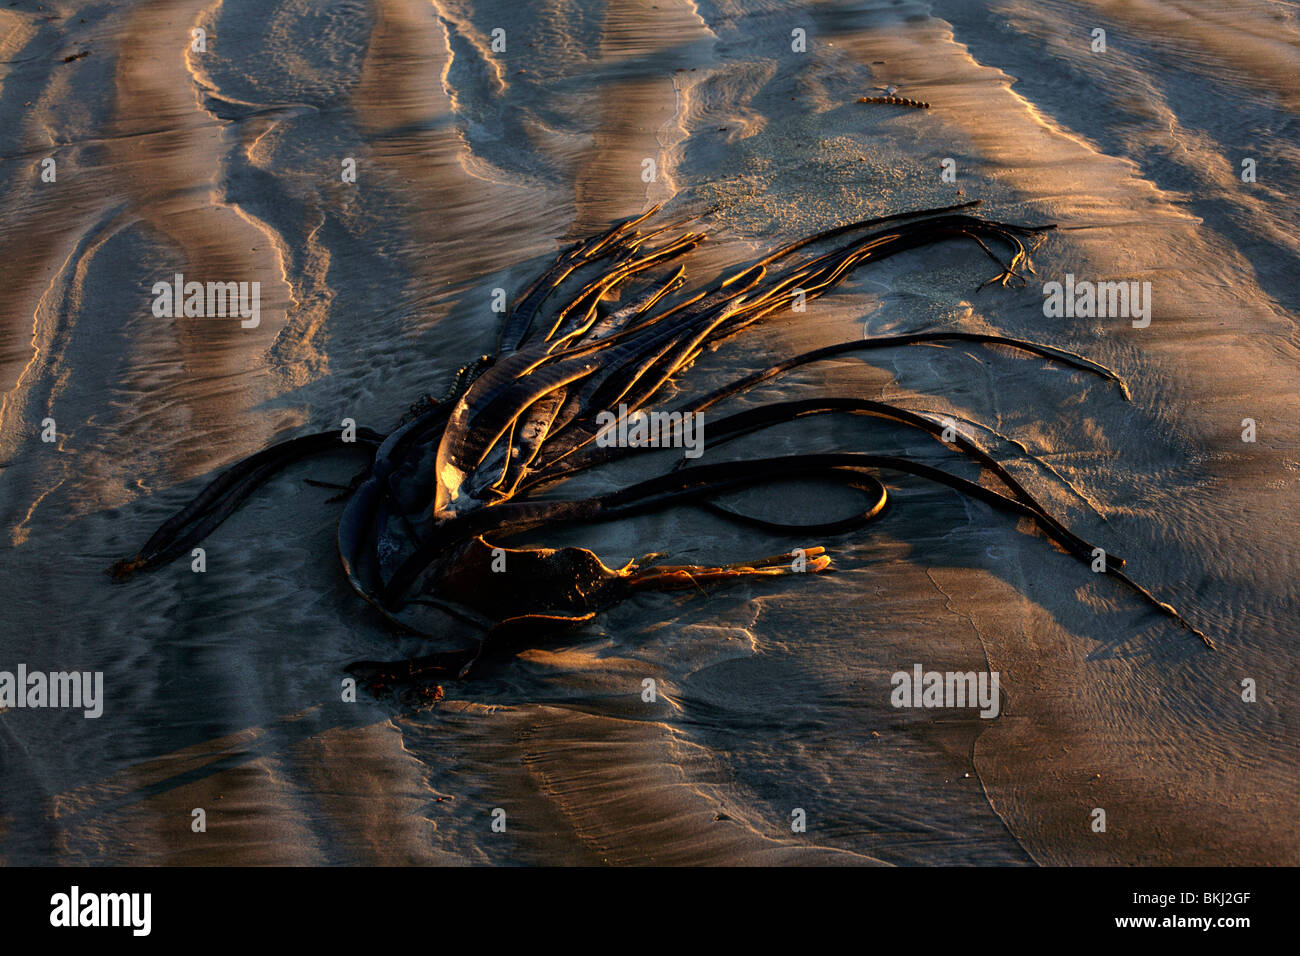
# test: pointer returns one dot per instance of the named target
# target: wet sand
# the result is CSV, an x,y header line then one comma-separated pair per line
x,y
223,688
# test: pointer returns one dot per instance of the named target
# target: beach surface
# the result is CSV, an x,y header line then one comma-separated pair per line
x,y
772,699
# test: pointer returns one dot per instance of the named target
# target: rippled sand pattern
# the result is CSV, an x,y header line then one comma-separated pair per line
x,y
227,163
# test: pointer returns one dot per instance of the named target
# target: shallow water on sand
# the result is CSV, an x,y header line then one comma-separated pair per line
x,y
222,688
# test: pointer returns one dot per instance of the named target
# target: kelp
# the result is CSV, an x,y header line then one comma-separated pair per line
x,y
426,528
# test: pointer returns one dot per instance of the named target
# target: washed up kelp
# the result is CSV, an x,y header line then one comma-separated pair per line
x,y
426,528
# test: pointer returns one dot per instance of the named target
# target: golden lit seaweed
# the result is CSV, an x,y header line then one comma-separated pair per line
x,y
426,527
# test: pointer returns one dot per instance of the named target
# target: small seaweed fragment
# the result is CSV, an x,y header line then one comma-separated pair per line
x,y
895,101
